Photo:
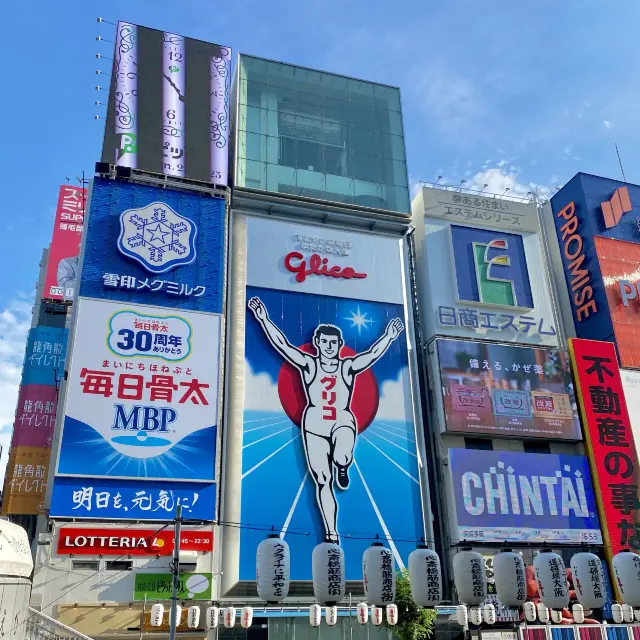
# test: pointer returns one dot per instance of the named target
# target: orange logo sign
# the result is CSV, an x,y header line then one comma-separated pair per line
x,y
613,209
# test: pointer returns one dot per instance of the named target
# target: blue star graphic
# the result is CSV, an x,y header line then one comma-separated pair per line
x,y
158,234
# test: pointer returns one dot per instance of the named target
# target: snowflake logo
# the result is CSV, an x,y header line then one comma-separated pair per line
x,y
157,237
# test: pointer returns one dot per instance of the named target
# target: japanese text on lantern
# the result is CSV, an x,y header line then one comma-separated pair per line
x,y
612,451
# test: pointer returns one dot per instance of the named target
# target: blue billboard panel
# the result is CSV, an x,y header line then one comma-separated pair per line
x,y
131,500
154,246
502,495
142,393
45,356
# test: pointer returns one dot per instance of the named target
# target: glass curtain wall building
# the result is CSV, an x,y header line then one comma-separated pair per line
x,y
319,135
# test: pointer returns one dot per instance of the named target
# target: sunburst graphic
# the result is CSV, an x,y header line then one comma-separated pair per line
x,y
359,320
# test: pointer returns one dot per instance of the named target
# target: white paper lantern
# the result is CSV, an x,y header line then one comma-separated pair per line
x,y
425,577
379,575
543,613
489,613
376,615
178,615
627,613
626,568
213,615
588,580
551,576
510,578
331,615
229,617
157,613
273,569
392,614
462,616
193,617
530,612
616,612
578,613
327,567
556,615
315,615
469,576
363,613
246,617
475,615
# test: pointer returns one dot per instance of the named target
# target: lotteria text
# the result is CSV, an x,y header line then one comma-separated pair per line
x,y
318,266
572,249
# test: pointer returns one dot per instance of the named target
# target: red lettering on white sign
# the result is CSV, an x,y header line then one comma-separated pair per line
x,y
318,266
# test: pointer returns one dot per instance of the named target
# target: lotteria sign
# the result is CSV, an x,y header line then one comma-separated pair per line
x,y
136,542
502,495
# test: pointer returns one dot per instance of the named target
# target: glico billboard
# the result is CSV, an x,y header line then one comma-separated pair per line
x,y
477,269
597,223
323,398
168,109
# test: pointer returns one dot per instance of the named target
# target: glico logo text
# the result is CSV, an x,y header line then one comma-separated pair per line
x,y
573,256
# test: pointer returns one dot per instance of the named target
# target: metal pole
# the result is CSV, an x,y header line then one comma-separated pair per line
x,y
175,570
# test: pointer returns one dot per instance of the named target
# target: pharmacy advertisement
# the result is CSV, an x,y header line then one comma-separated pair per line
x,y
142,394
329,431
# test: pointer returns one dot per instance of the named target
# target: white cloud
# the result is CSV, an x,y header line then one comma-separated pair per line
x,y
15,321
607,124
260,391
395,398
498,180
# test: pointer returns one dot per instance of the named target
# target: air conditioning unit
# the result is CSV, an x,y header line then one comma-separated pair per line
x,y
188,560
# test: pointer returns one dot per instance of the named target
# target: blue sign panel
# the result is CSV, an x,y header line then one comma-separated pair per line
x,y
106,499
45,356
502,495
154,246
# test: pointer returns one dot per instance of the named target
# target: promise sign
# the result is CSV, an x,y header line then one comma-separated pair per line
x,y
609,439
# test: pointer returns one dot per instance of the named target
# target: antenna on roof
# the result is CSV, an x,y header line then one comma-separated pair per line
x,y
620,161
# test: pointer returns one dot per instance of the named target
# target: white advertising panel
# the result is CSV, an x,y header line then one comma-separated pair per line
x,y
631,385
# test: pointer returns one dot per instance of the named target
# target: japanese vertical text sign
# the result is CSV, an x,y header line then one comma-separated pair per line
x,y
329,431
62,266
44,358
154,246
142,396
168,106
610,443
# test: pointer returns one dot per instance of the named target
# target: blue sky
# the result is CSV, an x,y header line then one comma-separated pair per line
x,y
500,92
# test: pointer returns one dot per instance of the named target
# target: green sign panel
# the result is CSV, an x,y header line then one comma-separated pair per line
x,y
157,586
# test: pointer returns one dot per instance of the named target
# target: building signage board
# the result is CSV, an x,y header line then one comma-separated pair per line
x,y
596,221
329,432
62,266
25,484
35,416
507,390
502,495
610,442
142,394
157,586
44,358
631,386
107,499
154,246
476,273
137,542
168,109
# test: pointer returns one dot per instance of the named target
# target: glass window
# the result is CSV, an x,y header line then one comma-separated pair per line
x,y
251,93
119,565
254,174
361,92
281,179
309,105
537,447
340,189
279,99
253,69
87,565
364,167
335,110
311,184
335,161
281,150
389,122
310,156
308,81
334,86
255,146
280,75
398,199
309,129
362,141
368,194
478,443
393,172
387,97
361,116
391,146
254,120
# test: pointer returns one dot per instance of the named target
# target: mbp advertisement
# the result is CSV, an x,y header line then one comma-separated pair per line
x,y
154,246
328,426
141,405
478,270
63,264
505,390
518,497
168,108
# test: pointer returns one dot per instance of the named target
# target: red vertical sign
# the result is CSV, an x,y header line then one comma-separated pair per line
x,y
62,267
609,440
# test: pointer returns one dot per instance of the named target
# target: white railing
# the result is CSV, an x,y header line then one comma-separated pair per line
x,y
42,627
